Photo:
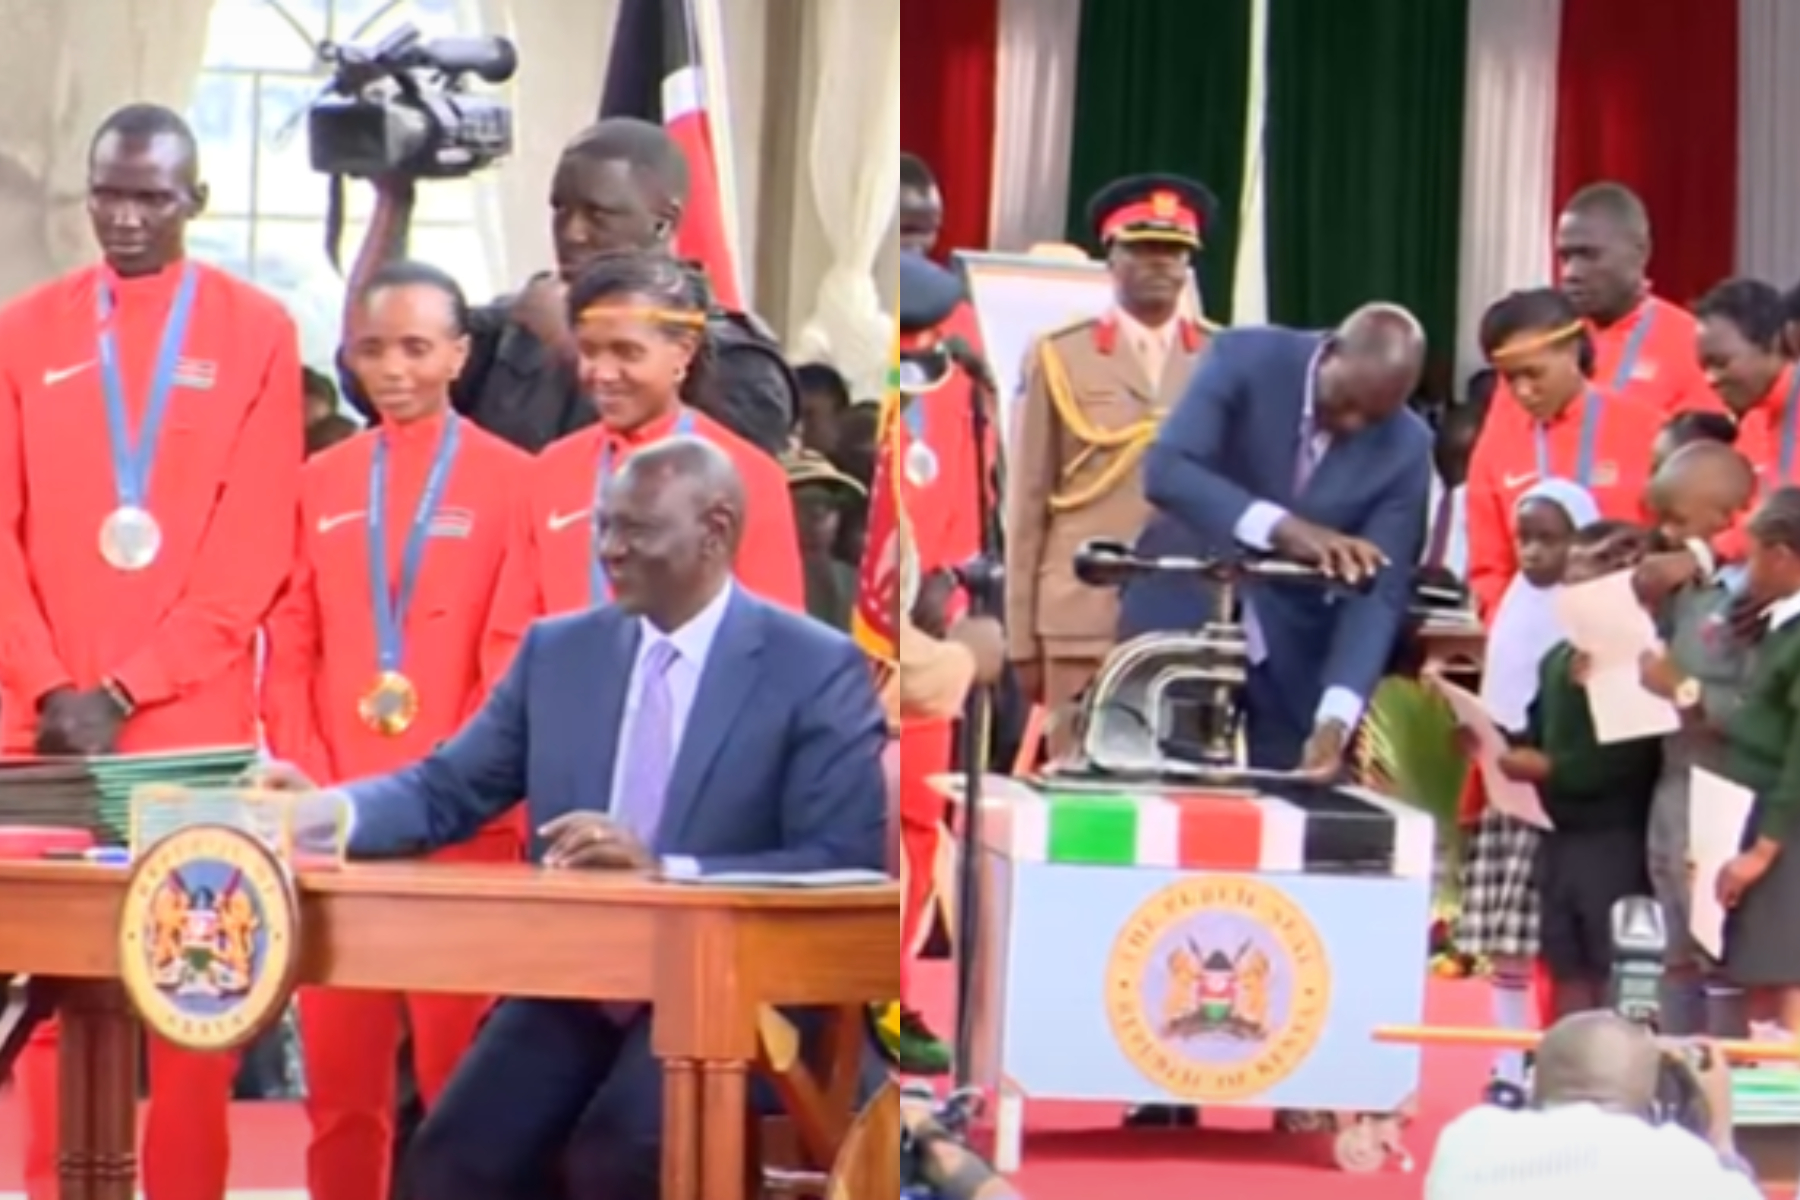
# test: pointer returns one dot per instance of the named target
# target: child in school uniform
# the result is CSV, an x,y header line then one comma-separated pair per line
x,y
1499,917
1700,492
1760,888
1596,795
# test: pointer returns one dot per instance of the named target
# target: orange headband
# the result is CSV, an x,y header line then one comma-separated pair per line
x,y
1519,347
645,312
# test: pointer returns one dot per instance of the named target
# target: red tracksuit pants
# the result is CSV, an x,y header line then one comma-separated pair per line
x,y
187,1140
925,750
350,1041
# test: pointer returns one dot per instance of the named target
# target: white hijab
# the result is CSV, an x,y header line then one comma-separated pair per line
x,y
1525,625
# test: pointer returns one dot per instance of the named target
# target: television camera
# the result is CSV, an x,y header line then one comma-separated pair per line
x,y
403,107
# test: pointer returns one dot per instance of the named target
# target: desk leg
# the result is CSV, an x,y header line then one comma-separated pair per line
x,y
681,1130
725,1106
98,1081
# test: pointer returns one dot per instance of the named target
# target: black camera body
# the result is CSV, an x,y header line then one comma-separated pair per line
x,y
1640,941
403,108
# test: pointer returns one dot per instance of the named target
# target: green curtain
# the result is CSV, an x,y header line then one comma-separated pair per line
x,y
1364,159
1161,86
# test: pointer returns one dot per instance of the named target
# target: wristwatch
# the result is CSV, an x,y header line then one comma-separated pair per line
x,y
1688,694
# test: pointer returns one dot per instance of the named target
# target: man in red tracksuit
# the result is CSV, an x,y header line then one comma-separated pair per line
x,y
375,656
150,449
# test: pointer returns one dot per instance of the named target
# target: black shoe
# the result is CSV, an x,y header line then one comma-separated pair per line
x,y
1162,1116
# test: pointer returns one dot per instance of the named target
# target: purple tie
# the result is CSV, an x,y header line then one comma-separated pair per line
x,y
650,758
1307,461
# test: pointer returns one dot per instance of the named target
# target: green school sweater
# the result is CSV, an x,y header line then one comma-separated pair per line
x,y
1762,738
1591,786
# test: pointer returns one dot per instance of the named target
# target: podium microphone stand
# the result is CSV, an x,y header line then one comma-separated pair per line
x,y
981,579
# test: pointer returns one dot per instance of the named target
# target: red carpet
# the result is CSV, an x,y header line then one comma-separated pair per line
x,y
1077,1152
1072,1152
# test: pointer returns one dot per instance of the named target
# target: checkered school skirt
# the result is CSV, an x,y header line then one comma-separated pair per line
x,y
1499,890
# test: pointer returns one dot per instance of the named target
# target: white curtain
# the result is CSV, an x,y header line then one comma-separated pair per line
x,y
1768,233
1509,158
1035,102
63,67
1250,274
854,157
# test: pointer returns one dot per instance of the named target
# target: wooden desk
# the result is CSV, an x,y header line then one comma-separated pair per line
x,y
707,959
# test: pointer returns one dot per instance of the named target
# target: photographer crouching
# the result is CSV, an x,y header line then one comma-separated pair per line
x,y
620,185
1611,1106
936,1163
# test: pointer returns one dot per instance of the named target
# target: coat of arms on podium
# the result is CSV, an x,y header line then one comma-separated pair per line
x,y
209,937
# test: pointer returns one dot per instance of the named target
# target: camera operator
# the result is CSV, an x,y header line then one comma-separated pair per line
x,y
620,185
940,1166
1611,1106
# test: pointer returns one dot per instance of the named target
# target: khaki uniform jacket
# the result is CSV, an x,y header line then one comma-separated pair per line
x,y
1080,431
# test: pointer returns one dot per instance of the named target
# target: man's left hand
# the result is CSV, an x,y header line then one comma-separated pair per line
x,y
80,722
1323,757
586,841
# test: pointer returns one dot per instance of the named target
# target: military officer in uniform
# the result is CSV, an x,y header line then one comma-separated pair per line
x,y
1095,393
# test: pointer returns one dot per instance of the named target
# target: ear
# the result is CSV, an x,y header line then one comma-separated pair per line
x,y
198,198
460,352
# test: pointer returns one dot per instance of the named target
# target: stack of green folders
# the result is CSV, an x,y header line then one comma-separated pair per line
x,y
116,776
49,793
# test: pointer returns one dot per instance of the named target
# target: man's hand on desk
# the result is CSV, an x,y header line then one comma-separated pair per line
x,y
1337,555
587,841
278,777
1323,758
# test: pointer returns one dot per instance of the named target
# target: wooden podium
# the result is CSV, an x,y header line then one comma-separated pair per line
x,y
708,959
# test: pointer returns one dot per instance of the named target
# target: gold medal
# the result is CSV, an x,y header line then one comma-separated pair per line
x,y
130,538
390,705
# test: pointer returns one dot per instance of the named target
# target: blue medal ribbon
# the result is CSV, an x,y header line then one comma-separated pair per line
x,y
1790,429
133,458
1634,345
1584,455
391,602
599,587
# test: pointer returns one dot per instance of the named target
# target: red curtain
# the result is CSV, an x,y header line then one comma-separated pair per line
x,y
1646,95
947,110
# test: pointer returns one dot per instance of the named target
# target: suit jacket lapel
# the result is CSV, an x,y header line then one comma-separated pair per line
x,y
619,653
727,681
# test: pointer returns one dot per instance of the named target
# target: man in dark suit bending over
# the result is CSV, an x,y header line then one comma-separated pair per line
x,y
1301,443
687,728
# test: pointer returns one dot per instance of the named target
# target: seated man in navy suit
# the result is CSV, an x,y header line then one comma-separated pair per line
x,y
1301,443
687,728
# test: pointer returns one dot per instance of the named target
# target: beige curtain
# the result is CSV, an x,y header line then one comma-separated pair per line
x,y
63,67
854,165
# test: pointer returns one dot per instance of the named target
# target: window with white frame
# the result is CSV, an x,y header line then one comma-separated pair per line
x,y
266,218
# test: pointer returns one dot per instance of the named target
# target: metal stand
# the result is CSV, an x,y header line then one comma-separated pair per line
x,y
981,579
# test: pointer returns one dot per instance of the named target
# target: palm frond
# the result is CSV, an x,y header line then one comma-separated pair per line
x,y
1409,749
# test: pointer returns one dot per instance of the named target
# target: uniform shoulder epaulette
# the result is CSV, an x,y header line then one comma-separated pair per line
x,y
1057,333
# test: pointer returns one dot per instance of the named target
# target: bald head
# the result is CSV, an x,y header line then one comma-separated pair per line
x,y
1615,204
1702,488
1597,1058
1376,359
669,525
694,467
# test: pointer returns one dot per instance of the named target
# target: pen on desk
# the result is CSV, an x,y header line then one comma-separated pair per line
x,y
105,856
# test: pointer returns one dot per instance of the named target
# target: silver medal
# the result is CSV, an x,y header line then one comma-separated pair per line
x,y
921,464
130,538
